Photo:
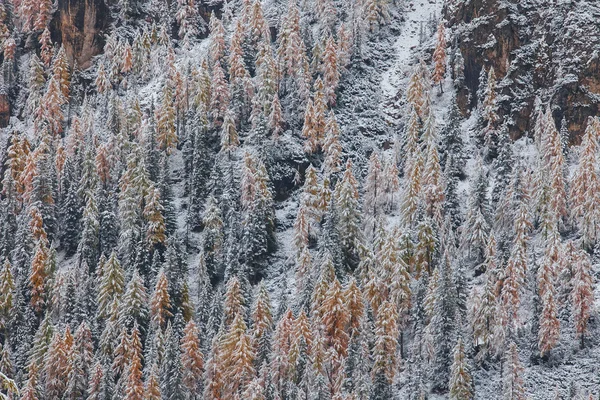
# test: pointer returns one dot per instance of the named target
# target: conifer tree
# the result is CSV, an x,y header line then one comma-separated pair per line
x,y
439,57
512,380
584,185
484,304
7,294
373,197
330,71
152,386
262,318
217,40
187,19
347,214
46,47
582,295
461,382
384,351
165,120
134,304
81,363
56,368
134,389
331,146
229,135
160,304
191,360
110,286
60,71
38,275
153,213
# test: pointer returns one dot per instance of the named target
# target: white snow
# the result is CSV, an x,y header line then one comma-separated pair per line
x,y
417,15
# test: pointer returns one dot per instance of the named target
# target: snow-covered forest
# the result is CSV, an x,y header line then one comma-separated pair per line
x,y
299,199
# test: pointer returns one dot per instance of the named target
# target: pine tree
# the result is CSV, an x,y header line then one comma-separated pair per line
x,y
416,90
152,386
216,39
43,15
489,114
461,382
442,324
49,111
220,96
238,357
134,304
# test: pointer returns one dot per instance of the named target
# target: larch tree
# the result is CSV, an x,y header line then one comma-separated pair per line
x,y
330,71
7,294
134,389
439,57
153,214
165,121
483,314
373,197
331,146
348,213
111,284
384,351
60,72
585,186
461,382
46,47
582,294
192,360
512,379
262,327
160,304
187,18
516,266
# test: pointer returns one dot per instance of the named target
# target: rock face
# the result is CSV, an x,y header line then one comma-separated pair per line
x,y
536,50
4,110
78,25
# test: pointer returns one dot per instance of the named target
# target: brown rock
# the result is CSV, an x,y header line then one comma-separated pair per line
x,y
535,52
79,26
4,110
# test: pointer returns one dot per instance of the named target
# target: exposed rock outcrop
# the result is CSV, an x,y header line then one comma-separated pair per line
x,y
79,26
535,50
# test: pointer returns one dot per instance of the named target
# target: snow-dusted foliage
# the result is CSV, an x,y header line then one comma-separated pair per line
x,y
276,199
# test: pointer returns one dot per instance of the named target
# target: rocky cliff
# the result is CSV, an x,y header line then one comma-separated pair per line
x,y
536,51
79,26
